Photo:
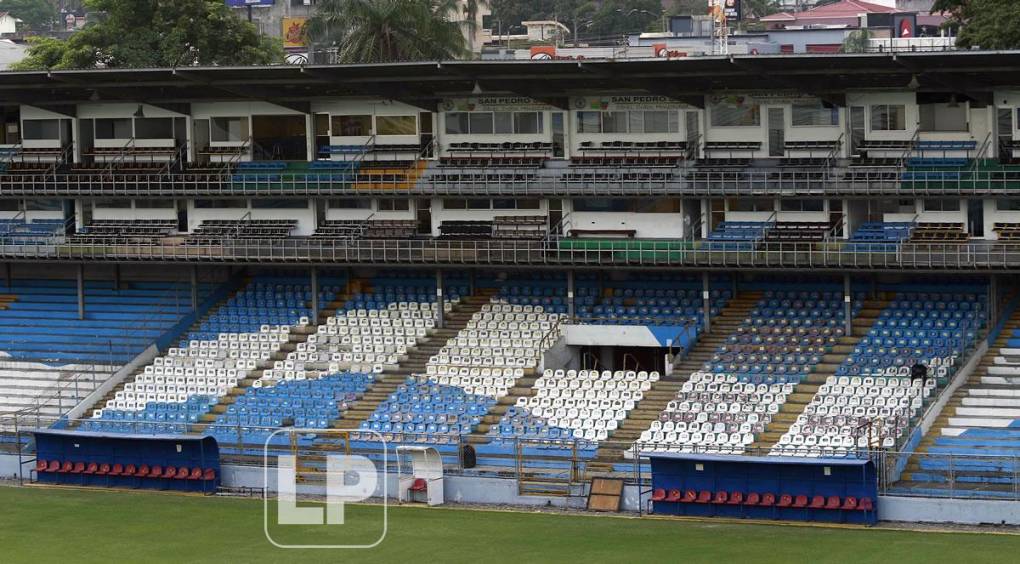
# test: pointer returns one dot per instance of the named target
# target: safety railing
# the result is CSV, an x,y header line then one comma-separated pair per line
x,y
980,255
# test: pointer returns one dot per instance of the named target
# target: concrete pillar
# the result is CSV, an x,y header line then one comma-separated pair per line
x,y
706,306
440,314
81,291
314,275
570,295
194,288
847,306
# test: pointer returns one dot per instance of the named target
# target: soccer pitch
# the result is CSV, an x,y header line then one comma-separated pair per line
x,y
48,525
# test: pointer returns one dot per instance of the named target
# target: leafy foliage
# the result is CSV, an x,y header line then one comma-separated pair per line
x,y
989,24
156,33
376,31
35,15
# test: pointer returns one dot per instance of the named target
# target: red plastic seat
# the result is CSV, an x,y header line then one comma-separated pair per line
x,y
169,472
118,469
800,501
40,465
156,471
721,497
130,470
659,494
183,472
865,504
704,497
66,467
209,474
849,504
832,502
752,499
78,468
785,501
419,485
53,466
674,496
104,469
736,498
143,471
690,496
91,468
196,474
817,502
768,500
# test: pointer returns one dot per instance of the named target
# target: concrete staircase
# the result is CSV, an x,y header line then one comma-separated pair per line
x,y
808,387
640,418
986,403
416,360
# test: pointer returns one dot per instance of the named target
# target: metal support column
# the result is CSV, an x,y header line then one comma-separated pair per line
x,y
81,291
194,288
706,305
570,295
440,314
471,282
848,319
314,275
116,277
10,275
993,300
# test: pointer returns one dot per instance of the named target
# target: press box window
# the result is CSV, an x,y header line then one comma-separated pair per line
x,y
154,128
396,125
802,205
228,129
814,115
943,117
116,128
350,204
736,115
1007,205
942,205
394,204
352,126
40,129
885,117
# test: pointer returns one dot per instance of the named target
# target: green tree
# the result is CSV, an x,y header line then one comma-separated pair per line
x,y
988,24
156,33
35,15
376,31
857,41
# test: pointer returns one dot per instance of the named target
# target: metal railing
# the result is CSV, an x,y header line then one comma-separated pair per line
x,y
977,256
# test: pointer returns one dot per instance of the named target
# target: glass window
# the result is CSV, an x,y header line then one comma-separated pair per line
x,y
942,205
636,122
814,115
112,203
154,204
589,122
658,205
528,204
614,122
41,129
527,123
154,128
802,205
113,128
1007,205
10,205
751,205
228,129
279,204
603,205
455,204
943,117
479,204
457,123
44,205
481,123
396,125
217,204
352,126
349,204
725,114
394,204
503,122
660,121
886,117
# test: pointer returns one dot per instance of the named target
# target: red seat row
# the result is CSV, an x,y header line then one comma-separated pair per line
x,y
833,502
130,470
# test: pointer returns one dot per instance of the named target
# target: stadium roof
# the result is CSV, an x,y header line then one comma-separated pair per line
x,y
975,74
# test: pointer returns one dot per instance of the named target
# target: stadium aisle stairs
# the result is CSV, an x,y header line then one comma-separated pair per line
x,y
640,418
806,390
417,358
296,336
956,430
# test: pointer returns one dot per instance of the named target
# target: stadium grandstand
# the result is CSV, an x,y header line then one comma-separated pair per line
x,y
796,274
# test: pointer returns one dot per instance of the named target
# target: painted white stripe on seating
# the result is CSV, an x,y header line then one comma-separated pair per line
x,y
980,422
991,402
988,411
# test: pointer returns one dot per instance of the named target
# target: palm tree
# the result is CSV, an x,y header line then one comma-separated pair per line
x,y
378,31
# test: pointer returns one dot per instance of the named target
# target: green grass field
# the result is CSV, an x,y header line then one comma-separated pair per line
x,y
49,525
